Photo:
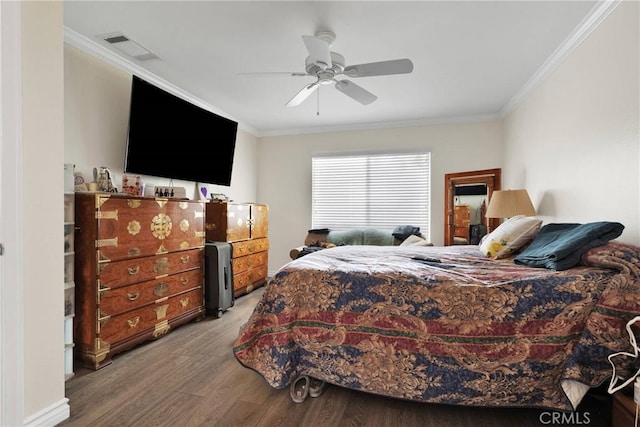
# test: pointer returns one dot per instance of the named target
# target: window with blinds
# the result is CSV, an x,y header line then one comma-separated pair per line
x,y
373,191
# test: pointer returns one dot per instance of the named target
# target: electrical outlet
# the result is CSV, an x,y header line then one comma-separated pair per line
x,y
636,391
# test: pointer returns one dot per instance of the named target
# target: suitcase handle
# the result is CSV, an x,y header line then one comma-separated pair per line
x,y
226,277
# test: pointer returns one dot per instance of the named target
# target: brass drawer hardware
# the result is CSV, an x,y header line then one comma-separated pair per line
x,y
134,251
161,266
104,243
107,215
161,328
133,322
161,288
161,312
102,320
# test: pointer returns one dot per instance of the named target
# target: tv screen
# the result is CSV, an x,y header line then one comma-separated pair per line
x,y
172,138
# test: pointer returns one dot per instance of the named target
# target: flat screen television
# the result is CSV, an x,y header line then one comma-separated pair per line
x,y
172,138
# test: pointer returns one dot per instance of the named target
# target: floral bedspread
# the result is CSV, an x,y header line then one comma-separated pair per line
x,y
466,330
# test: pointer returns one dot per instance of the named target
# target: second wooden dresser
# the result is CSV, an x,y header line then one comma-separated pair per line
x,y
245,226
139,271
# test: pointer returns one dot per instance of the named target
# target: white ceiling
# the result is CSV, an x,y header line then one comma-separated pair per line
x,y
472,59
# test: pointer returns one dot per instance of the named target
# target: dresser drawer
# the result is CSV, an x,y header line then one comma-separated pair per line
x,y
127,298
250,261
126,272
132,227
249,277
113,329
462,216
249,247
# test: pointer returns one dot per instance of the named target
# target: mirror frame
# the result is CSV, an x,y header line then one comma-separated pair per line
x,y
491,177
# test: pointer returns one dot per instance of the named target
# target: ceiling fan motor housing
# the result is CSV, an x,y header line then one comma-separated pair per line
x,y
337,65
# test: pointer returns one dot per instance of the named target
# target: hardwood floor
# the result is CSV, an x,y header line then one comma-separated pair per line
x,y
191,378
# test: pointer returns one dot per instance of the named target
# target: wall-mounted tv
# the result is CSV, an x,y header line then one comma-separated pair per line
x,y
172,138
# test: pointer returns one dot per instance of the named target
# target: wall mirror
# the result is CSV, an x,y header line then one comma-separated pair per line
x,y
467,195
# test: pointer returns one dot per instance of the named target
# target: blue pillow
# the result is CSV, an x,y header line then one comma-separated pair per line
x,y
560,246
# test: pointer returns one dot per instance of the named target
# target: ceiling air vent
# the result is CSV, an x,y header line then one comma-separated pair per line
x,y
129,47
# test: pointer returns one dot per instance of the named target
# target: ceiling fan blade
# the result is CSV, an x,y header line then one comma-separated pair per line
x,y
318,51
354,91
302,95
383,68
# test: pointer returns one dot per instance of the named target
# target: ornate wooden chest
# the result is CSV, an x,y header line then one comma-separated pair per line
x,y
246,227
139,271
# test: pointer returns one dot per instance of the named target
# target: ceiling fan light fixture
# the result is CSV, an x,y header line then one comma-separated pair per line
x,y
325,77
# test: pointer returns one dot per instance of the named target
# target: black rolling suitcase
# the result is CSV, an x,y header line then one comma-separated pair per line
x,y
218,278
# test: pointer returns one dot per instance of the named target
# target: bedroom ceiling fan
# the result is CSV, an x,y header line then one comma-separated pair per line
x,y
325,66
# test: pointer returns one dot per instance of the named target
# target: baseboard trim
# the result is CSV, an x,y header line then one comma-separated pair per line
x,y
50,416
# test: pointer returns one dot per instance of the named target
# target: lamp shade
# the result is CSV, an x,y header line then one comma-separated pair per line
x,y
508,203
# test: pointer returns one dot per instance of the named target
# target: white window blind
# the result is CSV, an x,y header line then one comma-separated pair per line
x,y
372,191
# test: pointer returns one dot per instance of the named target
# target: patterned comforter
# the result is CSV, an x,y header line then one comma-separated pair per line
x,y
467,330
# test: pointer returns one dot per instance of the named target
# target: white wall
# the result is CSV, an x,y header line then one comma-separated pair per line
x,y
574,142
97,99
284,170
42,180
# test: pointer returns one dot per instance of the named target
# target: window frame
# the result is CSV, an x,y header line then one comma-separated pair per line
x,y
399,211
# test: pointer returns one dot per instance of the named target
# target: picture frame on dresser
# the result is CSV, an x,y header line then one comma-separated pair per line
x,y
204,191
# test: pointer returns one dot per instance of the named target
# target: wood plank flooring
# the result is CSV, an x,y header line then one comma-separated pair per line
x,y
191,378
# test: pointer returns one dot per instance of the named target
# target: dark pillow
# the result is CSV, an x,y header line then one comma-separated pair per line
x,y
319,231
403,231
560,246
308,250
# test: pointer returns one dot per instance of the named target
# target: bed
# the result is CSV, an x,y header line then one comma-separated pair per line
x,y
460,329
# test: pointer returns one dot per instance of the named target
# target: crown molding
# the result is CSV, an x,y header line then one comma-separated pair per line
x,y
383,125
597,14
95,49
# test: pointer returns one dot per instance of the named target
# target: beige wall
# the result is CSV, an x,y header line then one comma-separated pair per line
x,y
97,99
42,179
574,142
284,171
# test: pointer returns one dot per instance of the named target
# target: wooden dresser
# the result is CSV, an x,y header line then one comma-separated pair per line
x,y
245,226
139,271
462,219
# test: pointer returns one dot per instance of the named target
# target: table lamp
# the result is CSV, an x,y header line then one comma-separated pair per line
x,y
508,203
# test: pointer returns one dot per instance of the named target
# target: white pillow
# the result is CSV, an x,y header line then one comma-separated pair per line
x,y
414,240
510,236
